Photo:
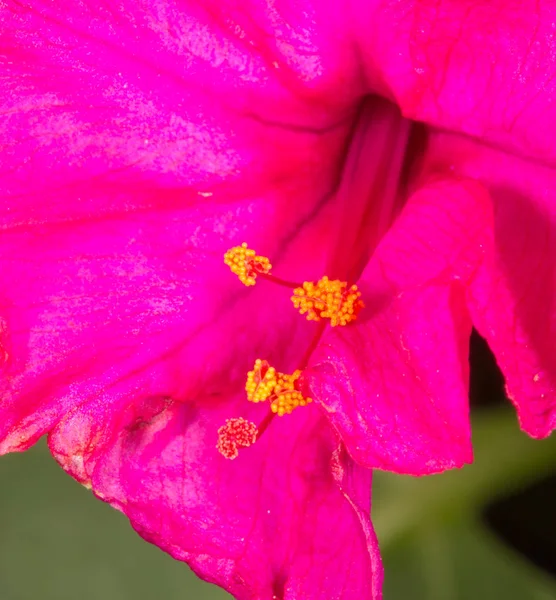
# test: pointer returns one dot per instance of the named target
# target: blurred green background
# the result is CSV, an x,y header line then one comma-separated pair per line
x,y
59,543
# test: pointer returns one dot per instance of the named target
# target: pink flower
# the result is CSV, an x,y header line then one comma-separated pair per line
x,y
140,142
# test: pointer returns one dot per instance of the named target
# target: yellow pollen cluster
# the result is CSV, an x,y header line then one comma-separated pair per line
x,y
265,383
285,397
328,299
260,381
246,264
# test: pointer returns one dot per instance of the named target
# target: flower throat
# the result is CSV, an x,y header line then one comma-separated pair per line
x,y
326,301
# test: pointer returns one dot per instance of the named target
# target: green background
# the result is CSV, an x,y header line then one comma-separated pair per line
x,y
57,542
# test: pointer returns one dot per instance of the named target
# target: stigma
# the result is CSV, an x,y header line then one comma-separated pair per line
x,y
235,434
263,383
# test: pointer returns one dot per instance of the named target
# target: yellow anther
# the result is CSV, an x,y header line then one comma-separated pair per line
x,y
260,381
265,383
286,397
286,403
328,299
246,264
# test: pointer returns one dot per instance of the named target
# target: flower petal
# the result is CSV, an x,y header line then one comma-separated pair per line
x,y
395,385
512,297
124,181
145,299
485,69
138,144
288,518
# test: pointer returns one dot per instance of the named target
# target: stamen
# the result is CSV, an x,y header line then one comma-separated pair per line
x,y
246,264
286,398
265,383
260,381
325,299
236,433
328,299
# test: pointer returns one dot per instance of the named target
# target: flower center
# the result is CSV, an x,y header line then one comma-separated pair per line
x,y
325,300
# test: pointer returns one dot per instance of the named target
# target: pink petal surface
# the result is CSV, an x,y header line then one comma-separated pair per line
x,y
485,69
126,175
289,520
139,142
395,385
511,298
141,194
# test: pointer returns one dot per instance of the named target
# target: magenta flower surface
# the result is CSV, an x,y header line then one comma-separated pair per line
x,y
139,142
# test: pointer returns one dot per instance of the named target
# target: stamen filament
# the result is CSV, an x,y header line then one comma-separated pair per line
x,y
312,346
265,423
278,280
